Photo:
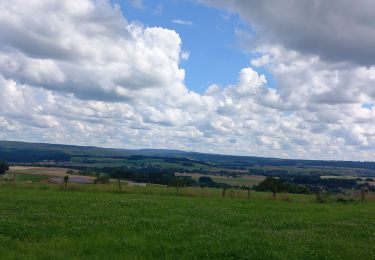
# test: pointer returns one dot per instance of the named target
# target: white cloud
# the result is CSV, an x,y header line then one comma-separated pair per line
x,y
87,76
87,49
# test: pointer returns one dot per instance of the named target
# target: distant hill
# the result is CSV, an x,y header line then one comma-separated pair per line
x,y
13,151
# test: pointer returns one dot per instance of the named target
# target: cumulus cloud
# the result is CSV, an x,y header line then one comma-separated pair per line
x,y
78,72
86,48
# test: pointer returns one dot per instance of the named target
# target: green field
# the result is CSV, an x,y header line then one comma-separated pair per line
x,y
31,177
244,180
98,222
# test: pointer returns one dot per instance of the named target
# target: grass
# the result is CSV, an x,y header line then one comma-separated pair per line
x,y
31,177
93,222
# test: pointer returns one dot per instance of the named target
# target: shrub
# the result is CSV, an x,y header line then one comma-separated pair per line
x,y
102,179
321,195
205,180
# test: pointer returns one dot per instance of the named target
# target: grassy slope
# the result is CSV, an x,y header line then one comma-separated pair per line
x,y
46,222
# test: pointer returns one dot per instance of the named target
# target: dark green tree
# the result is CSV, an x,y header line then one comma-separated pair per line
x,y
271,184
4,167
178,182
206,181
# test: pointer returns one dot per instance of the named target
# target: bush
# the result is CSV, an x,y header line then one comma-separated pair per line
x,y
206,180
279,185
102,179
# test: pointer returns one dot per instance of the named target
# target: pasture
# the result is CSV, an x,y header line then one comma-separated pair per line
x,y
40,221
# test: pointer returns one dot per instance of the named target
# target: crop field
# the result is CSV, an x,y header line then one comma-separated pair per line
x,y
43,174
42,221
50,171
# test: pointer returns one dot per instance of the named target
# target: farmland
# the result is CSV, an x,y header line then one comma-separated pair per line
x,y
185,169
245,180
44,174
94,157
99,221
212,214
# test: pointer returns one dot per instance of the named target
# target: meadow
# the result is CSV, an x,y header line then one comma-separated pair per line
x,y
40,221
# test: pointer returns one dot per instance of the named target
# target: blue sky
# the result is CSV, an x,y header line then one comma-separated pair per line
x,y
215,54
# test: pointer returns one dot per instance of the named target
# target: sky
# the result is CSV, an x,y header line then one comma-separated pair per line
x,y
200,28
274,78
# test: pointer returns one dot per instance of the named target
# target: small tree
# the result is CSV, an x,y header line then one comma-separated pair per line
x,y
206,181
177,182
320,195
70,171
270,184
119,182
66,180
4,167
97,176
364,190
224,191
274,189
